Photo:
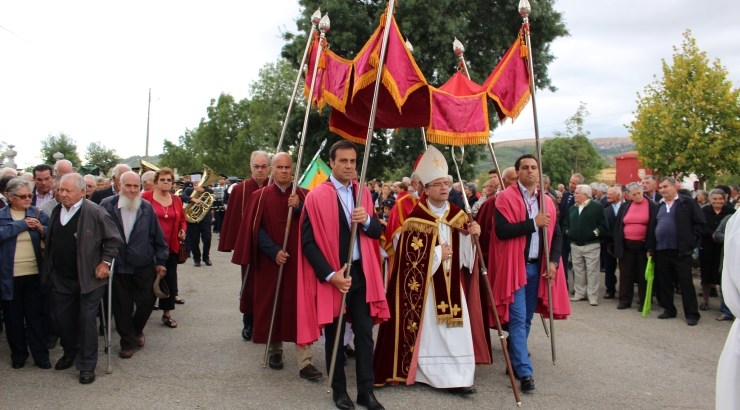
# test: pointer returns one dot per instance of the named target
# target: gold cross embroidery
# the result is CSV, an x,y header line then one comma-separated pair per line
x,y
455,310
436,162
412,326
443,307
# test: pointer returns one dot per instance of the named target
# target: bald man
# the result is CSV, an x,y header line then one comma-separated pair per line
x,y
63,167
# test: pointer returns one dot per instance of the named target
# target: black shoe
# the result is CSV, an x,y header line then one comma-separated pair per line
x,y
713,293
622,306
52,342
609,295
461,390
666,315
692,321
87,377
156,307
247,331
207,262
704,306
65,363
368,400
639,308
19,365
44,365
310,373
276,362
350,352
527,383
342,401
101,330
196,264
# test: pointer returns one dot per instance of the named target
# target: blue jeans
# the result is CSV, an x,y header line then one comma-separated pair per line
x,y
521,312
723,308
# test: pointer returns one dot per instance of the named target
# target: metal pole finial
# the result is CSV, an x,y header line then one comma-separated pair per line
x,y
409,46
325,23
458,46
524,8
316,16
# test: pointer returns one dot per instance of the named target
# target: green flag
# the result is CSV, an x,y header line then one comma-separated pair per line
x,y
316,173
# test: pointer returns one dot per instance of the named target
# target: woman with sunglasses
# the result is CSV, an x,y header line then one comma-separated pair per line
x,y
23,302
171,216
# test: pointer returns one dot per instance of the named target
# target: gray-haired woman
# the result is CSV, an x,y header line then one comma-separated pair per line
x,y
711,250
22,229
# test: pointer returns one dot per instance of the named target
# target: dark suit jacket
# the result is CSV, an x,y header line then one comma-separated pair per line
x,y
612,218
456,198
98,196
567,201
690,224
317,260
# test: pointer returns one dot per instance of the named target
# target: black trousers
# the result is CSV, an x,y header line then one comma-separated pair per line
x,y
197,233
76,316
219,217
671,268
632,269
25,320
565,255
610,269
171,279
129,291
362,326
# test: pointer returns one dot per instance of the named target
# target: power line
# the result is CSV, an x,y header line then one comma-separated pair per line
x,y
18,36
561,123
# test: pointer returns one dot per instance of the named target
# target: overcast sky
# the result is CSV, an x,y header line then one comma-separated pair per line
x,y
84,68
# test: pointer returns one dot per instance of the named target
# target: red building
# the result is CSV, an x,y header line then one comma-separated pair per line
x,y
630,169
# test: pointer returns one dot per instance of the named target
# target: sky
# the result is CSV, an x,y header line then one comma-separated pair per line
x,y
85,67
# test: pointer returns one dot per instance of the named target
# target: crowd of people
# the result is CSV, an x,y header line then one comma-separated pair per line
x,y
67,234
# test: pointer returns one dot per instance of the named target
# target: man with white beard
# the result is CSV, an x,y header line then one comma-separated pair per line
x,y
728,370
140,259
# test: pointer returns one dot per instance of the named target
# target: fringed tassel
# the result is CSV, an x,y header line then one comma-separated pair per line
x,y
443,319
322,62
523,51
453,323
383,17
456,138
421,227
347,136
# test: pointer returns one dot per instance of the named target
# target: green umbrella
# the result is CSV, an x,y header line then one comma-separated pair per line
x,y
649,276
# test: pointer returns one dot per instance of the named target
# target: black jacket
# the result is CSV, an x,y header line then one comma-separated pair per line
x,y
185,197
690,224
317,259
456,199
146,245
618,229
99,195
612,218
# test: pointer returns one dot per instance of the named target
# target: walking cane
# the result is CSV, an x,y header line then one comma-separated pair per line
x,y
489,291
109,369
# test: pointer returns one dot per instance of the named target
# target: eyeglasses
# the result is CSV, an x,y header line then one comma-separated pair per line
x,y
260,166
29,196
165,179
439,185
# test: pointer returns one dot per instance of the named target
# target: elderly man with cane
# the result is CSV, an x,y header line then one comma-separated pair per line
x,y
81,243
141,257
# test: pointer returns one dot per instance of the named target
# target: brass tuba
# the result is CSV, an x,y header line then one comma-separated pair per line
x,y
195,213
146,167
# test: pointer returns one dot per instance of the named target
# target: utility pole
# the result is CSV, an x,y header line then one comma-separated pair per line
x,y
148,111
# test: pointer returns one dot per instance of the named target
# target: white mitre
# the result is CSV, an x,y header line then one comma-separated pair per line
x,y
432,165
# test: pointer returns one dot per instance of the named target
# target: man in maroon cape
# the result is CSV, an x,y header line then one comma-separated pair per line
x,y
268,208
436,333
232,224
521,279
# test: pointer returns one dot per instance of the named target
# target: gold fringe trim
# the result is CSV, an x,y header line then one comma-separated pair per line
x,y
514,112
443,319
419,225
457,138
459,220
347,136
322,62
454,323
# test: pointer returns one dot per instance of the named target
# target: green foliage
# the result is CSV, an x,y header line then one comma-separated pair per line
x,y
99,156
60,143
571,152
487,29
133,161
689,120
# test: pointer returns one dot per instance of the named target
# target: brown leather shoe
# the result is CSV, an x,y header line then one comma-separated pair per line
x,y
140,340
126,354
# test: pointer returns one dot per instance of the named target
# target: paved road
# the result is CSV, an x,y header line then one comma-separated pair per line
x,y
606,359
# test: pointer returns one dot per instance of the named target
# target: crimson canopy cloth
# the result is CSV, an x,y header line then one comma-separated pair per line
x,y
454,114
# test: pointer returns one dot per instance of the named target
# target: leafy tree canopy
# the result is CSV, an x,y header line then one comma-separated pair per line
x,y
99,156
689,120
60,143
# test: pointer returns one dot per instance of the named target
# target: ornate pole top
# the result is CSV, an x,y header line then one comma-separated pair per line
x,y
325,23
409,46
458,47
316,16
524,8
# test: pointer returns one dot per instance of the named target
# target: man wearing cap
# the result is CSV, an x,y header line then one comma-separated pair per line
x,y
198,231
435,334
521,278
219,192
325,234
263,244
140,259
234,218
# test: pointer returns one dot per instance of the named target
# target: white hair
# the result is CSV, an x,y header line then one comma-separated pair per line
x,y
15,184
585,189
256,153
130,204
148,177
79,180
118,168
10,171
406,180
91,177
603,188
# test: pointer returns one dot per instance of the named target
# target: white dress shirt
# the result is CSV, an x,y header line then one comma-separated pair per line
x,y
347,199
66,215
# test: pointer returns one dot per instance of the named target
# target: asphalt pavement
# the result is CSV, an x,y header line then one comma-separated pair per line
x,y
606,359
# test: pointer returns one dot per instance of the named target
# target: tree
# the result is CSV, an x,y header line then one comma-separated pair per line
x,y
487,28
689,120
571,152
99,156
60,143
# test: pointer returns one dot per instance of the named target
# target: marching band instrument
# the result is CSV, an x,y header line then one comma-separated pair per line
x,y
195,213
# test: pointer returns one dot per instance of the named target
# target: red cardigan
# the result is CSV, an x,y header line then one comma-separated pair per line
x,y
172,241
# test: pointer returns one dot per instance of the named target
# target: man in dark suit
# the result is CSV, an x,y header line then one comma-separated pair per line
x,y
100,195
611,208
343,157
199,231
650,188
566,203
455,195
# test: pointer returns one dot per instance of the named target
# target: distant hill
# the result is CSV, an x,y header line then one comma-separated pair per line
x,y
134,161
508,151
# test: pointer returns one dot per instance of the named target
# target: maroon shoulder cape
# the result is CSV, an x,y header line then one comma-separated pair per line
x,y
232,225
396,349
269,206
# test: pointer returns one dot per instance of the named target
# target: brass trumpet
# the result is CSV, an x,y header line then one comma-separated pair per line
x,y
195,213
